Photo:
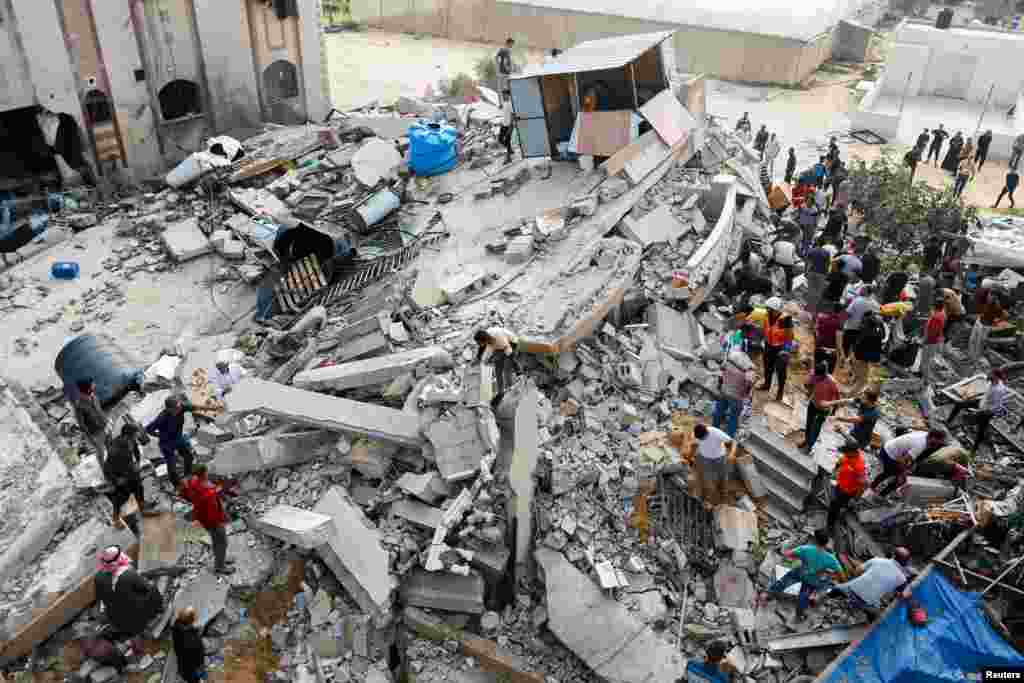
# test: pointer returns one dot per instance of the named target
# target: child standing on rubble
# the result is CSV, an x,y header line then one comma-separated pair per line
x,y
817,569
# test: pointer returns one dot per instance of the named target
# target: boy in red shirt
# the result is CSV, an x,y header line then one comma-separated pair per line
x,y
933,339
208,510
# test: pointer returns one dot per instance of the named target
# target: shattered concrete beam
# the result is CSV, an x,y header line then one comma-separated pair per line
x,y
372,370
526,450
270,451
418,513
355,554
253,395
296,526
53,618
444,591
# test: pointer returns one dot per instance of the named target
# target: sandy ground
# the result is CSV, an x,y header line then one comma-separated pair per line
x,y
377,65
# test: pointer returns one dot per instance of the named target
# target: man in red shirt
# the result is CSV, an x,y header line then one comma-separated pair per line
x,y
933,339
208,510
824,396
826,331
851,480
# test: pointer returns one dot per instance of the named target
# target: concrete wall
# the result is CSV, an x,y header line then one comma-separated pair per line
x,y
16,89
998,55
723,54
49,67
864,118
228,57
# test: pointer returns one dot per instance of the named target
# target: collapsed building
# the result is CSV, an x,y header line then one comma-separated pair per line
x,y
412,522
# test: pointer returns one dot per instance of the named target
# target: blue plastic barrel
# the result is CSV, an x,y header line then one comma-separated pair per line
x,y
103,361
64,270
432,148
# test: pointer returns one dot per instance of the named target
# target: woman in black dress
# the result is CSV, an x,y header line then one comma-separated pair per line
x,y
952,160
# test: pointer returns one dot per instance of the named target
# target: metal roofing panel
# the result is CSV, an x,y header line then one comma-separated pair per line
x,y
598,55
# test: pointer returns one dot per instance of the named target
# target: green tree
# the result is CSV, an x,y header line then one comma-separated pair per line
x,y
332,7
901,215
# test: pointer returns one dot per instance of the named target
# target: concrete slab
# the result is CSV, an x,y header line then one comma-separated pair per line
x,y
524,463
458,445
185,241
372,371
428,487
610,640
418,513
736,529
161,545
368,346
656,227
444,591
269,452
355,554
254,564
328,412
673,329
299,527
207,593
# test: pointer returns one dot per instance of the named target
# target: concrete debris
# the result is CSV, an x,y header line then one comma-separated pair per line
x,y
296,526
657,226
461,442
418,513
601,632
428,487
185,241
270,452
378,370
376,160
444,591
736,528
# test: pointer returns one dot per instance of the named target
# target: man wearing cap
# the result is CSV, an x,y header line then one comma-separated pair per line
x,y
899,456
128,599
851,480
778,336
878,577
224,374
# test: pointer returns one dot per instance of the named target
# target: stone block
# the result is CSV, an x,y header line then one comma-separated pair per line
x,y
458,444
355,554
428,487
519,250
294,525
185,241
444,591
373,371
418,513
736,529
254,564
368,346
657,226
327,412
270,451
673,329
921,490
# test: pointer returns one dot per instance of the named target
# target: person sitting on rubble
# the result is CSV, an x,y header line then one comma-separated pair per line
x,y
876,578
122,470
779,341
128,599
865,420
983,409
818,568
497,345
714,669
712,464
225,374
899,455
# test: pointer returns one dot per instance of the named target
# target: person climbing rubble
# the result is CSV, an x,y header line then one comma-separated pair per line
x,y
208,512
865,420
735,386
188,646
899,455
983,409
712,464
121,469
825,397
127,598
851,480
497,345
169,426
818,569
875,579
714,669
779,345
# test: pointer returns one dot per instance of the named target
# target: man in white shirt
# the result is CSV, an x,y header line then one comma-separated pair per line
x,y
881,576
711,460
505,135
496,344
899,456
224,374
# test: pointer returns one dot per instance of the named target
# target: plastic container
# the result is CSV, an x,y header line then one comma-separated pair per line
x,y
374,209
101,359
432,148
64,270
185,172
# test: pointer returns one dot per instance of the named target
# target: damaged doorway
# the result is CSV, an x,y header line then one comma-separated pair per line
x,y
277,52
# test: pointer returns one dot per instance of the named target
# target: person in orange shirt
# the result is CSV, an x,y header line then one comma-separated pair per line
x,y
851,480
778,336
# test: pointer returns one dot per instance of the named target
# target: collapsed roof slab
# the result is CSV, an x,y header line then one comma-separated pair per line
x,y
253,395
370,371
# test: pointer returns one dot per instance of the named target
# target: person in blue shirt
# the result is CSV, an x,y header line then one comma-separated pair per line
x,y
817,567
714,669
865,420
819,172
169,426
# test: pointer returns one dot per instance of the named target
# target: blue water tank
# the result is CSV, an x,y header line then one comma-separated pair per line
x,y
103,361
432,148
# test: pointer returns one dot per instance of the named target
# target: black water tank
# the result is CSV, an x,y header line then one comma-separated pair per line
x,y
945,18
100,358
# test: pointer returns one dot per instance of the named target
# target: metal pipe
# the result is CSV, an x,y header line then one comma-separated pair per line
x,y
682,613
1000,577
636,98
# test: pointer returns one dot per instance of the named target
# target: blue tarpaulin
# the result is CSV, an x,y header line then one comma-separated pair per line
x,y
955,644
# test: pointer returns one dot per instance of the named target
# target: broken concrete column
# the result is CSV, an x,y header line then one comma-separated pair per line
x,y
418,513
294,525
461,441
372,371
355,554
526,450
603,633
327,412
270,451
444,591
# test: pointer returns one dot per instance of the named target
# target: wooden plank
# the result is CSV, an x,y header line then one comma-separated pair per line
x,y
52,618
257,169
617,162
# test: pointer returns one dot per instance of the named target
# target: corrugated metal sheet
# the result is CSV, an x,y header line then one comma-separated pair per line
x,y
598,55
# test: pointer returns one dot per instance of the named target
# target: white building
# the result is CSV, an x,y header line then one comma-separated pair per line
x,y
955,77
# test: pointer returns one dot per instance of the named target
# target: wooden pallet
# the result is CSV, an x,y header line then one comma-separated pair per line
x,y
303,281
